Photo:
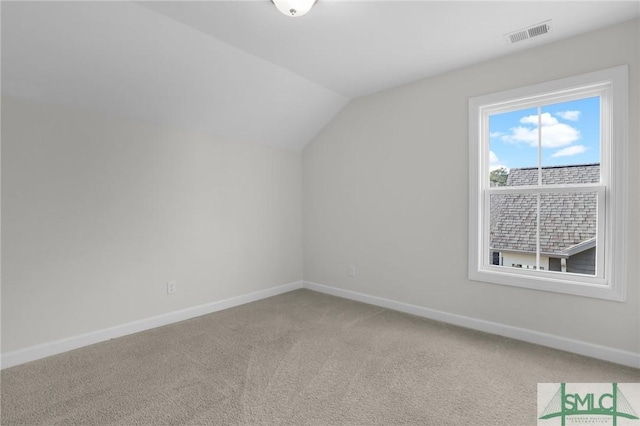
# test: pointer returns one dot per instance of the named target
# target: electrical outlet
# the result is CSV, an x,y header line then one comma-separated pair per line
x,y
352,271
171,287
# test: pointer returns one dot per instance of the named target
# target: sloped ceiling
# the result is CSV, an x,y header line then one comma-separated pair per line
x,y
241,71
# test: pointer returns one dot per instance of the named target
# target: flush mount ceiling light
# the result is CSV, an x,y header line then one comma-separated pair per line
x,y
294,8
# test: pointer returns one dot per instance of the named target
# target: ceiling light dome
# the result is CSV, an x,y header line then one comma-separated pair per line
x,y
294,8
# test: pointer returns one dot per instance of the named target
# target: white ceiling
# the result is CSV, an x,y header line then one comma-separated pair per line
x,y
241,71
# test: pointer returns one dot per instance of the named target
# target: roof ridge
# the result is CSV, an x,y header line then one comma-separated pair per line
x,y
557,167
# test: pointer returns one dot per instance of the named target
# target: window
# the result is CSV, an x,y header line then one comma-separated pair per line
x,y
547,185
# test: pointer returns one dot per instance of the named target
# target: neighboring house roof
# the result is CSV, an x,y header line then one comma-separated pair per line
x,y
567,221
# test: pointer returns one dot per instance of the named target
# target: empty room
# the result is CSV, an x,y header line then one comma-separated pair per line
x,y
320,212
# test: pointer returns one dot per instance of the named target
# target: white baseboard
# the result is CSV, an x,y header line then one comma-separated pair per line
x,y
605,353
33,353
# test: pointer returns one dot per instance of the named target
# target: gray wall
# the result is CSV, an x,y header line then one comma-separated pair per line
x,y
386,189
583,262
98,213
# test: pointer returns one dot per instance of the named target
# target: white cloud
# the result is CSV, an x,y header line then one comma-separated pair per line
x,y
545,118
554,133
495,134
522,134
570,150
559,135
494,163
569,115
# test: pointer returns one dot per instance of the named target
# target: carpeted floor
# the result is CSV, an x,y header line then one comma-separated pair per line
x,y
301,358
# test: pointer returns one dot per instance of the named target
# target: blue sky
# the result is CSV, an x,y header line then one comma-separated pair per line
x,y
570,135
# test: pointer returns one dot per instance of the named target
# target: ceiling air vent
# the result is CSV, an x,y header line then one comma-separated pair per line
x,y
526,33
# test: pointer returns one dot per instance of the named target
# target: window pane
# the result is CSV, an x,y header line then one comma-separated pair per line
x,y
568,232
571,133
512,232
570,136
513,143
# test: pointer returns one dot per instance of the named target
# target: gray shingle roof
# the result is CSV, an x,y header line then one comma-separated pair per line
x,y
565,219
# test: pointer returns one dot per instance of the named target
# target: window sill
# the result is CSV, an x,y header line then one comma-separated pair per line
x,y
572,284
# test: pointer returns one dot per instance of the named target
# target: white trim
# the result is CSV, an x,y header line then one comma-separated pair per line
x,y
44,350
33,353
605,353
580,247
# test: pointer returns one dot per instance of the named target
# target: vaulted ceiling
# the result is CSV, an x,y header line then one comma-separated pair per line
x,y
241,71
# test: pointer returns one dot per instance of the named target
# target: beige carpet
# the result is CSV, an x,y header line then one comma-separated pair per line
x,y
298,358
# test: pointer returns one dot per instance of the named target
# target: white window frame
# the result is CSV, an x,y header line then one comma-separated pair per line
x,y
610,280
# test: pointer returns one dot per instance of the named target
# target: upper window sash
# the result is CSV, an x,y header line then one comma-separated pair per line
x,y
601,89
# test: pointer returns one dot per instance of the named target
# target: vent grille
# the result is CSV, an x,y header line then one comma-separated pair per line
x,y
519,36
539,30
527,33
